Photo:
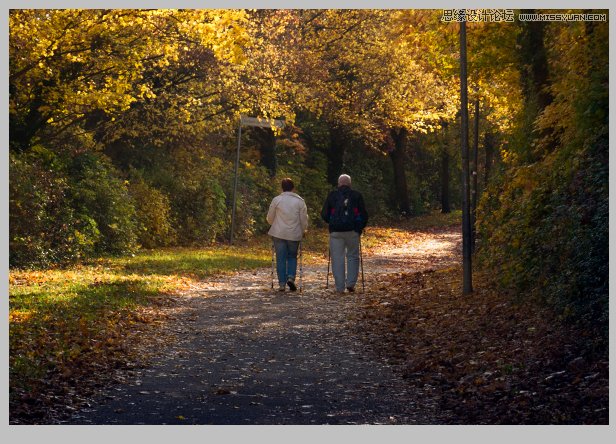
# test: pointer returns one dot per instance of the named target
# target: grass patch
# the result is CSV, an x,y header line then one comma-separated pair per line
x,y
197,263
62,319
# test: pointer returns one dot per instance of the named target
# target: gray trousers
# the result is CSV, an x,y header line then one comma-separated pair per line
x,y
344,244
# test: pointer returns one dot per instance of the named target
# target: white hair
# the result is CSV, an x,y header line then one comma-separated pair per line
x,y
344,179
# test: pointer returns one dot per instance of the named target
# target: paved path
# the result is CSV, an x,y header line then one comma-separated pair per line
x,y
238,353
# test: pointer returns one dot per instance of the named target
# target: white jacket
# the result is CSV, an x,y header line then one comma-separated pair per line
x,y
288,216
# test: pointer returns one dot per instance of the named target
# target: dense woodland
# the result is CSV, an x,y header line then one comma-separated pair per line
x,y
123,131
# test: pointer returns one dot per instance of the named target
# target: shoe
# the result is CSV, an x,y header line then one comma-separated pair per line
x,y
291,285
281,287
351,289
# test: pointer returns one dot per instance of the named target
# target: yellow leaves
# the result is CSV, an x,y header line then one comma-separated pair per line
x,y
186,115
270,62
509,157
146,92
16,316
527,177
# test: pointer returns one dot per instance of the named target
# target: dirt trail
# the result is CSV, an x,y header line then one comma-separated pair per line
x,y
235,352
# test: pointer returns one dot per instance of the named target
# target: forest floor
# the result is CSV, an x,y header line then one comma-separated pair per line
x,y
409,350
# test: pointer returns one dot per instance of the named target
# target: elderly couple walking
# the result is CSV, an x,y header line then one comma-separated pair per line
x,y
344,212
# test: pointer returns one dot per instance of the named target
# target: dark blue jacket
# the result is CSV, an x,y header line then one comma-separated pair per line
x,y
356,204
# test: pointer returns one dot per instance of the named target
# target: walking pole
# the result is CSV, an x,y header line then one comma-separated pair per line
x,y
301,256
329,256
361,261
272,266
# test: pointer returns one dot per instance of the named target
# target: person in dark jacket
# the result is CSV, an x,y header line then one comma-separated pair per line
x,y
345,213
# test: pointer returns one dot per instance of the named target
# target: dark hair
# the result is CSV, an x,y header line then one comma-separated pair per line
x,y
287,184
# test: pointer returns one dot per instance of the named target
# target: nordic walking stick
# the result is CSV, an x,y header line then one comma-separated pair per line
x,y
361,261
272,266
301,257
329,257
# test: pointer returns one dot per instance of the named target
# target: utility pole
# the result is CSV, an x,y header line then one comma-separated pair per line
x,y
467,286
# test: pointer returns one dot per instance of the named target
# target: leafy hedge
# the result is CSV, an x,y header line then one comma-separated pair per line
x,y
63,209
544,223
545,231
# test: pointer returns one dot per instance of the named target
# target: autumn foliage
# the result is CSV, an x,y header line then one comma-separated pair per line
x,y
123,130
544,219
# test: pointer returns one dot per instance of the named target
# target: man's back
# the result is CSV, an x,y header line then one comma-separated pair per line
x,y
344,210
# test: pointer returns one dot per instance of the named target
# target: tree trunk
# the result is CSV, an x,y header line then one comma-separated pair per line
x,y
535,79
22,132
398,158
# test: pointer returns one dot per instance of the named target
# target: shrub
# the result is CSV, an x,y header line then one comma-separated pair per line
x,y
98,194
152,213
44,228
198,205
255,191
544,231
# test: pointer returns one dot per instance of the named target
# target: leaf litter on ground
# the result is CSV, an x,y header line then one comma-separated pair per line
x,y
484,357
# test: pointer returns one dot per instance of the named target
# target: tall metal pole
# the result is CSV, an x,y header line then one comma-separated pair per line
x,y
475,174
467,286
237,164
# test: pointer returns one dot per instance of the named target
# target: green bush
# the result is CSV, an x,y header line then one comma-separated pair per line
x,y
198,204
544,230
152,213
544,225
98,194
255,191
44,228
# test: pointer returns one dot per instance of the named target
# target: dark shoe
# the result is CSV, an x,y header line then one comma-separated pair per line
x,y
350,289
291,285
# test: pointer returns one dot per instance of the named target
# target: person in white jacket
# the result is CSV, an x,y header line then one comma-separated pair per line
x,y
288,217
